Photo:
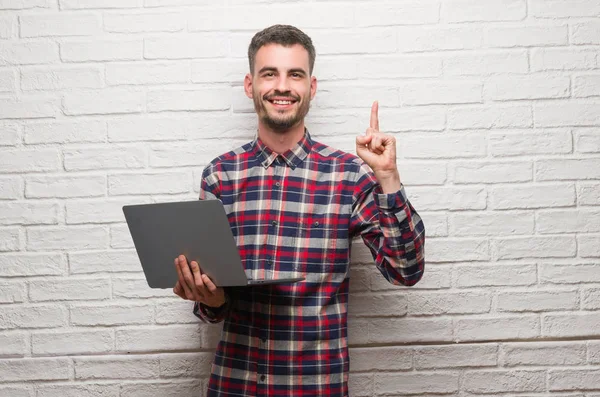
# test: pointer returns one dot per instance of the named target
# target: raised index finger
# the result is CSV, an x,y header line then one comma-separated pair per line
x,y
375,116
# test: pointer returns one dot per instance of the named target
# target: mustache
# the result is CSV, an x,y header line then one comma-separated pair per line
x,y
278,94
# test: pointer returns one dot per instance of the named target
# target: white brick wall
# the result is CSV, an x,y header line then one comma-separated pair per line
x,y
496,108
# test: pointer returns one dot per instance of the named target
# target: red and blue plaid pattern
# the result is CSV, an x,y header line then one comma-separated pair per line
x,y
294,215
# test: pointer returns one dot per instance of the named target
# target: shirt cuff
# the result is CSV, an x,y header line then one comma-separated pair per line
x,y
392,202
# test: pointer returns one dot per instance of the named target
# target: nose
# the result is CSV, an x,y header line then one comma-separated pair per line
x,y
283,84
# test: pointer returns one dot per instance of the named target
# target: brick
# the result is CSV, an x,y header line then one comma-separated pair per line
x,y
94,211
590,300
61,78
187,365
493,172
117,367
491,224
34,316
422,173
16,391
103,261
66,238
568,221
457,250
571,114
504,381
10,239
24,4
142,23
543,354
530,87
574,379
443,145
188,47
29,160
361,385
436,357
446,303
567,169
492,276
65,186
27,264
486,63
25,213
416,383
112,100
94,4
518,143
391,67
134,129
135,287
8,29
569,273
571,325
149,183
169,389
594,352
108,157
84,131
438,93
99,315
344,41
433,199
168,3
497,116
437,223
562,59
77,390
221,71
172,337
532,196
527,36
147,73
429,39
11,188
588,193
588,246
28,108
12,292
437,278
69,289
587,32
21,370
60,25
186,154
564,8
178,312
120,237
497,10
410,13
497,328
537,301
72,342
175,100
586,86
28,53
535,247
399,330
8,81
378,358
13,345
587,141
101,50
10,133
367,304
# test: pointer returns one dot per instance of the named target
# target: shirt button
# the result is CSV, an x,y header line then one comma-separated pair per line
x,y
274,223
317,223
277,184
262,378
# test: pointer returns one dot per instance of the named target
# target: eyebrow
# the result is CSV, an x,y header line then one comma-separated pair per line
x,y
274,69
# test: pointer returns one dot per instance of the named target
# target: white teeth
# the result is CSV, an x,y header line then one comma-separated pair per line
x,y
282,102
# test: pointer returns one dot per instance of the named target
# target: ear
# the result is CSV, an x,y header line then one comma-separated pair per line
x,y
313,87
248,85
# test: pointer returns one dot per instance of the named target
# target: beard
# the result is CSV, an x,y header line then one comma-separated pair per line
x,y
281,121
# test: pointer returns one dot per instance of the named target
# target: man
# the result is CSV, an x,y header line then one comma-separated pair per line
x,y
294,206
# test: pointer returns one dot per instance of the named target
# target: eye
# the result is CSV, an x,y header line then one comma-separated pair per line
x,y
296,75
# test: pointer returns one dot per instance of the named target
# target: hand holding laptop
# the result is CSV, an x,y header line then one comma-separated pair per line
x,y
196,286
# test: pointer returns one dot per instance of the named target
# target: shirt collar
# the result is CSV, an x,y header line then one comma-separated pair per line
x,y
293,157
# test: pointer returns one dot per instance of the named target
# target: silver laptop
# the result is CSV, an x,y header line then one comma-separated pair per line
x,y
199,230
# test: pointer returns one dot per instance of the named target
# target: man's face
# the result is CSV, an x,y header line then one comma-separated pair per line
x,y
281,86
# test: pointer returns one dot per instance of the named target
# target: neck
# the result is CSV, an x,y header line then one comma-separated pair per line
x,y
281,141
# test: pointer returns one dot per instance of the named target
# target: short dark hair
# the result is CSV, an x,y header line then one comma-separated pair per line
x,y
284,35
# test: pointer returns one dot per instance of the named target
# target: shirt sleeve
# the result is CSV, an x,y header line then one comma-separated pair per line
x,y
210,189
391,229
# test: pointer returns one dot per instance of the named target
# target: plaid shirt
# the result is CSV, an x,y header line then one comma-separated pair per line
x,y
294,215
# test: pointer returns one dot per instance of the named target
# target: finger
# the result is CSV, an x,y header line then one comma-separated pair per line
x,y
185,289
188,278
178,290
363,140
375,116
209,284
197,273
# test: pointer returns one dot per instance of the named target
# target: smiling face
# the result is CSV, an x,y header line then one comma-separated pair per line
x,y
281,86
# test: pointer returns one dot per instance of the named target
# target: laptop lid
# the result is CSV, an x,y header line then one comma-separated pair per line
x,y
199,230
